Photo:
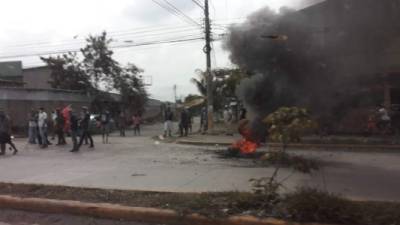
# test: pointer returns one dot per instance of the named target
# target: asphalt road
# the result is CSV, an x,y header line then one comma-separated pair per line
x,y
141,163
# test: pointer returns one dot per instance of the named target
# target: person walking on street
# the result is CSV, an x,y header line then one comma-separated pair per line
x,y
52,125
203,120
184,123
59,127
168,117
105,125
5,131
122,123
74,129
228,120
190,122
136,120
33,127
385,121
42,123
84,123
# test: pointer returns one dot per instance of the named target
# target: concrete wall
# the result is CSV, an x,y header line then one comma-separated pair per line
x,y
37,77
18,102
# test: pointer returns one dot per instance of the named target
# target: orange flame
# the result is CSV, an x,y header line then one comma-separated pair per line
x,y
245,146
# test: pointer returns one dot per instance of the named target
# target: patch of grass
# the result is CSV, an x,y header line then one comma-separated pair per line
x,y
310,205
284,159
303,205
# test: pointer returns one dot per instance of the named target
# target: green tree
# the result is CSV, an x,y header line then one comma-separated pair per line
x,y
131,87
98,61
225,82
67,73
98,72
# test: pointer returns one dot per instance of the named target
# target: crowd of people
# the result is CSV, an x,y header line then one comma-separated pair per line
x,y
67,122
61,123
185,122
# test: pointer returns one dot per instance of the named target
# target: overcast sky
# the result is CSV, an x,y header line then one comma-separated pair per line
x,y
30,27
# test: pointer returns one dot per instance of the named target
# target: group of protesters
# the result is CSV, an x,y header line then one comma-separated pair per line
x,y
62,121
185,122
66,121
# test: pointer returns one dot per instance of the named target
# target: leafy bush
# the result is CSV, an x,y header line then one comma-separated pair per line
x,y
288,124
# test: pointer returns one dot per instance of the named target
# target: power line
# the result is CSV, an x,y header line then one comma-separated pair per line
x,y
111,47
37,62
129,34
182,13
214,11
137,38
151,30
133,30
128,40
175,13
198,3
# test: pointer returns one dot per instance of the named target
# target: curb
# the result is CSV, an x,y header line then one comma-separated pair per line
x,y
118,212
305,146
341,146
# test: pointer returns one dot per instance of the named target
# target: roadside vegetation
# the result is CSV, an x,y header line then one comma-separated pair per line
x,y
302,205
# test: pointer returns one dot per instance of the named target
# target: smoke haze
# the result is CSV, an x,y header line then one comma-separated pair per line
x,y
326,62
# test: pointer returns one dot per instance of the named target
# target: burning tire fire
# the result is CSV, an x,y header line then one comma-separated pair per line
x,y
246,145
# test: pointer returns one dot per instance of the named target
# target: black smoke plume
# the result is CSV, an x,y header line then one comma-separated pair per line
x,y
334,51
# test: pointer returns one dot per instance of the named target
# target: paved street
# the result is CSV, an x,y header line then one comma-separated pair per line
x,y
141,163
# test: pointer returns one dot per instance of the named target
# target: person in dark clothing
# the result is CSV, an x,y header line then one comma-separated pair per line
x,y
5,130
59,127
105,118
84,123
122,124
396,124
74,129
184,123
168,117
243,113
203,120
190,126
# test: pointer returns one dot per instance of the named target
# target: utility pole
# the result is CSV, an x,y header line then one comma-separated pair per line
x,y
175,87
176,100
207,50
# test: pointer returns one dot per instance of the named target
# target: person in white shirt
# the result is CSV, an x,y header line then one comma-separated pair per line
x,y
42,123
384,120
